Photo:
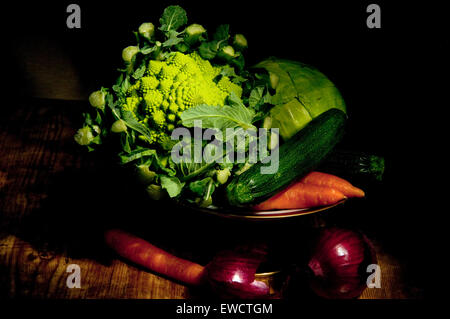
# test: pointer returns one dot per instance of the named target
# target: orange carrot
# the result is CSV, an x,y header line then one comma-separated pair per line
x,y
145,254
332,181
301,195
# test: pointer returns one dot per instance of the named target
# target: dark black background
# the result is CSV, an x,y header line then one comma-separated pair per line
x,y
375,70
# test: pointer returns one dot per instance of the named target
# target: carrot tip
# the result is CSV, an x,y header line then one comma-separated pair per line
x,y
359,193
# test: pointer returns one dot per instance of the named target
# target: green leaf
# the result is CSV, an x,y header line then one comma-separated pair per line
x,y
113,106
172,18
125,85
147,50
131,122
136,36
191,168
256,95
219,117
208,50
125,143
116,87
172,185
226,165
97,140
235,101
163,167
259,96
204,187
88,119
98,118
222,32
173,38
263,110
136,154
229,71
139,72
199,187
239,62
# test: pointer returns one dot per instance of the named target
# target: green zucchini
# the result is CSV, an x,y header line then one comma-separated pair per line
x,y
354,164
297,156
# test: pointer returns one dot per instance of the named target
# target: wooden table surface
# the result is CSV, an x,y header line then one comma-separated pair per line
x,y
55,200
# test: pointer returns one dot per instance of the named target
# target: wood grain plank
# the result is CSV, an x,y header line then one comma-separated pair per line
x,y
29,275
391,287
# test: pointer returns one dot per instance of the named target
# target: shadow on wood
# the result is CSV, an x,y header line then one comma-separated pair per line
x,y
82,203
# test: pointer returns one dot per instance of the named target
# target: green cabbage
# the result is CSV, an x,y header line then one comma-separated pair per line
x,y
302,93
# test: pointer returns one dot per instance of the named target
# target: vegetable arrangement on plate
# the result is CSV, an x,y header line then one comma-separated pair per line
x,y
180,81
185,115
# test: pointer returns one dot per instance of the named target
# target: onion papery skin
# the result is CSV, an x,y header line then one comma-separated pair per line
x,y
339,263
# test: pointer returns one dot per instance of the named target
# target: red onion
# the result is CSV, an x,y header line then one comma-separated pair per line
x,y
231,273
339,263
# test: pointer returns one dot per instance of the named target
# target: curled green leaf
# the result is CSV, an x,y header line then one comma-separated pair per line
x,y
172,18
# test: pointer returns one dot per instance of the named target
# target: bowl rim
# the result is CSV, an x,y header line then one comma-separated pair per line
x,y
245,214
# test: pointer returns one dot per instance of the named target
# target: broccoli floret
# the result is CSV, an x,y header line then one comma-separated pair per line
x,y
119,126
222,175
154,67
146,30
227,53
171,117
97,99
153,99
133,90
132,103
205,66
168,71
173,107
226,85
159,118
84,136
193,33
128,53
240,42
171,86
148,83
165,85
178,59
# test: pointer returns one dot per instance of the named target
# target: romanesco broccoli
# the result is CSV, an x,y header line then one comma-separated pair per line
x,y
171,86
